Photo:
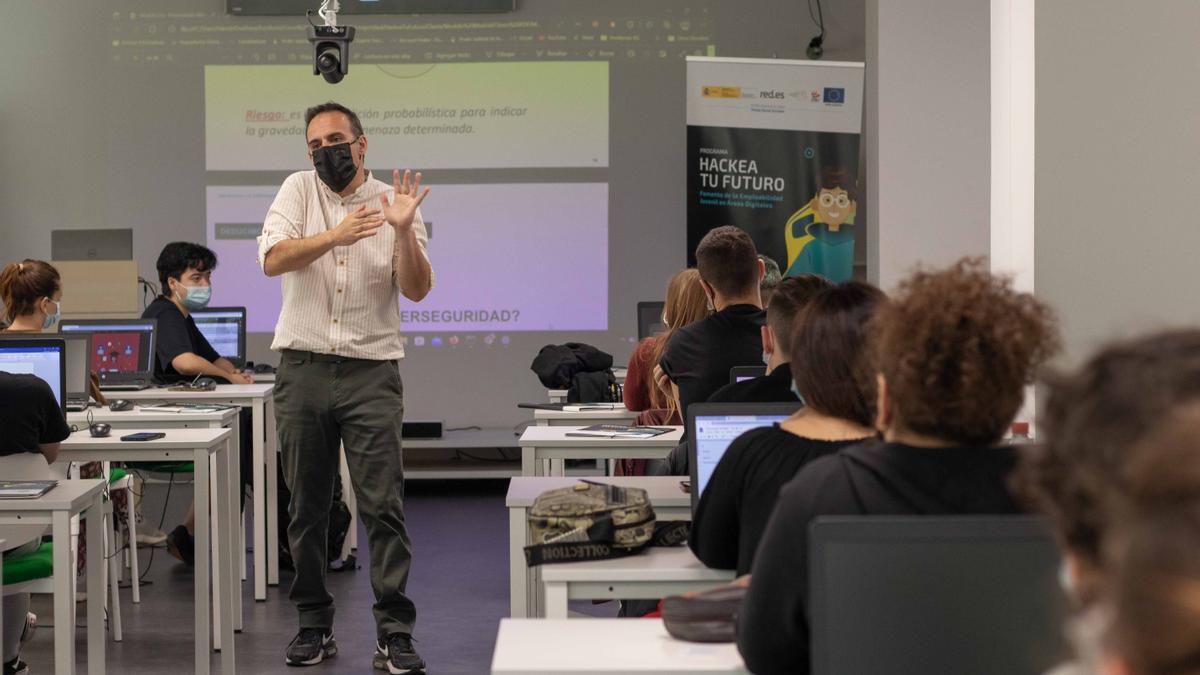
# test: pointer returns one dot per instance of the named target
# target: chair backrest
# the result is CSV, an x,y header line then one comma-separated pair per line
x,y
23,466
928,594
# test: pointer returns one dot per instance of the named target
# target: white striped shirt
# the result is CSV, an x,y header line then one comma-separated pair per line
x,y
347,302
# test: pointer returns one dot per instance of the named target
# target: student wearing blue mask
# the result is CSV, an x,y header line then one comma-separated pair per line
x,y
31,292
182,352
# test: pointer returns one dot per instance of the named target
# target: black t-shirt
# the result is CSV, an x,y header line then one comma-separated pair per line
x,y
29,414
773,388
872,479
744,487
177,334
700,355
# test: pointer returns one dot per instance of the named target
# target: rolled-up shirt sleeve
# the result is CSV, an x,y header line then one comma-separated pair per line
x,y
285,217
422,234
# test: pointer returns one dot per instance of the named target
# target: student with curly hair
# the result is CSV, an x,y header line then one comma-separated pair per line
x,y
953,353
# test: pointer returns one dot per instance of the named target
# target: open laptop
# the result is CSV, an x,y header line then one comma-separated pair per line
x,y
120,351
650,321
76,374
225,330
44,357
711,427
743,373
934,594
91,244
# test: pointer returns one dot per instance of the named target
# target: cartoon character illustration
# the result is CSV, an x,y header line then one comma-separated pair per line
x,y
820,236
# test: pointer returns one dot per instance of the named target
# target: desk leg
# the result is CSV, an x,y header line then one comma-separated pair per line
x,y
528,464
96,590
202,572
260,505
214,561
64,598
558,467
226,505
518,572
237,550
351,543
267,410
555,595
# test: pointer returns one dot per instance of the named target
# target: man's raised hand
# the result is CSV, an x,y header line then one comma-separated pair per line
x,y
406,197
361,223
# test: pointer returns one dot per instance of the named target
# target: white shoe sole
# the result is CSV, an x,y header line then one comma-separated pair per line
x,y
325,653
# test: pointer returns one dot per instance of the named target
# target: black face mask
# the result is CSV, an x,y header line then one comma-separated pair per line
x,y
335,165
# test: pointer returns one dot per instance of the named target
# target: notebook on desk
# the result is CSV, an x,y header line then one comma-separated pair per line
x,y
618,431
25,489
573,407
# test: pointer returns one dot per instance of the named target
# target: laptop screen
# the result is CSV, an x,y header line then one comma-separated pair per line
x,y
713,426
43,358
117,346
225,330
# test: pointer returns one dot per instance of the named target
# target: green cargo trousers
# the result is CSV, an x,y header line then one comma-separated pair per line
x,y
322,400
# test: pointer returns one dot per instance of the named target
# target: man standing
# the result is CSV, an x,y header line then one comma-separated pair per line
x,y
347,245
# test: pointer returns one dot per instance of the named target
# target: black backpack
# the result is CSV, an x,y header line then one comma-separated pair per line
x,y
557,365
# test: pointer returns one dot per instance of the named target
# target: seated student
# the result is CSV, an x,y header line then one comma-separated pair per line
x,y
685,304
31,419
1092,420
182,352
954,350
1150,616
770,280
833,374
791,296
698,357
31,291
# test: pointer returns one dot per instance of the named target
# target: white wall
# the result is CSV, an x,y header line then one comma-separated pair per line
x,y
1118,166
928,153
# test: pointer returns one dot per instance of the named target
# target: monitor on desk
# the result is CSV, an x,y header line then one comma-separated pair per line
x,y
76,373
225,330
986,586
711,427
120,351
650,321
45,358
91,244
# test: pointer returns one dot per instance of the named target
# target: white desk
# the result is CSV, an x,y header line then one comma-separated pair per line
x,y
669,500
652,574
142,418
540,443
56,508
560,395
265,458
194,445
583,418
262,378
605,647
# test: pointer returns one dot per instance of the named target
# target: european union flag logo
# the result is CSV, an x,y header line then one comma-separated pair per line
x,y
835,95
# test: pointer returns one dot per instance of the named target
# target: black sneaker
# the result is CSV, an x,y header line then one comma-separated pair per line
x,y
181,545
311,646
397,656
16,667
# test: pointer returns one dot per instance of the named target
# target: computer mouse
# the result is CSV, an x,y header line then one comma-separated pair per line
x,y
120,405
100,430
263,368
206,382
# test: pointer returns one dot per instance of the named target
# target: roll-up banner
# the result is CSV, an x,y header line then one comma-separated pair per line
x,y
773,148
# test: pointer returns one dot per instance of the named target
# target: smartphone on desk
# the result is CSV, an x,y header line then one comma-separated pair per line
x,y
144,436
